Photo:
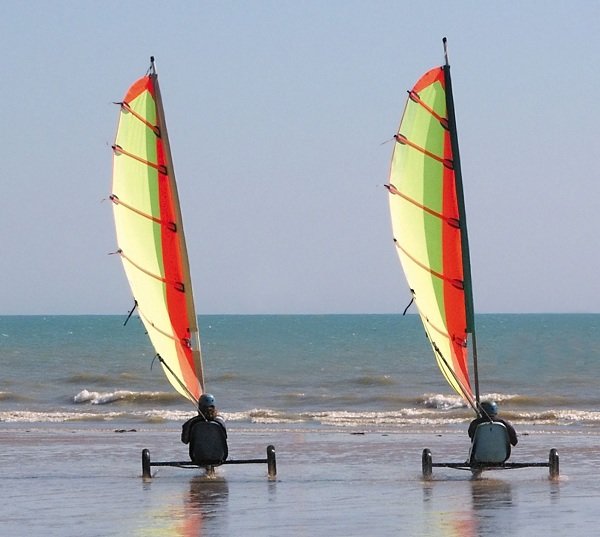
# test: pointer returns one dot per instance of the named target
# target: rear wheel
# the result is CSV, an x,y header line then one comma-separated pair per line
x,y
271,462
427,463
553,463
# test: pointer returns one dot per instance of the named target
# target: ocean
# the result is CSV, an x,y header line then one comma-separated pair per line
x,y
349,401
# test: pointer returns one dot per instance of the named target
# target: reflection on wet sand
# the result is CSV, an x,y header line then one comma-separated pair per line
x,y
490,500
488,513
490,494
205,502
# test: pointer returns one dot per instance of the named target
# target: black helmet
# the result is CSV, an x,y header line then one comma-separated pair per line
x,y
206,400
490,408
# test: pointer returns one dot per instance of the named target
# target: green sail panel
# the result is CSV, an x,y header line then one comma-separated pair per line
x,y
150,235
425,204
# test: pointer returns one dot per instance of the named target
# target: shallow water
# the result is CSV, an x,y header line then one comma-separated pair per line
x,y
69,481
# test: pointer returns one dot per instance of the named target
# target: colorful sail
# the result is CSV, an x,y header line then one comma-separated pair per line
x,y
150,235
429,226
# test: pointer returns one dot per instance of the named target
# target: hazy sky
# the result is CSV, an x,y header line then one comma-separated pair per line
x,y
277,111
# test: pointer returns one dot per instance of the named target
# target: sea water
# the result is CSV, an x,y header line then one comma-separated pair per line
x,y
349,401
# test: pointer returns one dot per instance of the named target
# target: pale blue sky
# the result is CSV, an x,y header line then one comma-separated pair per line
x,y
277,112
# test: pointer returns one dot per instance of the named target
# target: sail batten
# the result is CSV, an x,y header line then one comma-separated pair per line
x,y
150,235
427,212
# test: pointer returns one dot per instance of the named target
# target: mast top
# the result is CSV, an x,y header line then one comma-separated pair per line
x,y
152,68
445,42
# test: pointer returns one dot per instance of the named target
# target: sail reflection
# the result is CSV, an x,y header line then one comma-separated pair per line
x,y
490,494
204,507
487,515
489,499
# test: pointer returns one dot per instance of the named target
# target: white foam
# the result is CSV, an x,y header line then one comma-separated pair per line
x,y
103,398
443,402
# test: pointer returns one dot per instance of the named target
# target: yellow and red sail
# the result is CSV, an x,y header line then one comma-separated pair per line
x,y
150,235
429,226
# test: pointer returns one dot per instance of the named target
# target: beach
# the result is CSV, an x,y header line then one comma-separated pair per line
x,y
88,482
349,402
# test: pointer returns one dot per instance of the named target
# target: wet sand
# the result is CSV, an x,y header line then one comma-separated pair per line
x,y
77,481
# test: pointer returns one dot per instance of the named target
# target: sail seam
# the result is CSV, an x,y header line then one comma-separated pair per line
x,y
401,139
178,285
415,97
161,168
159,330
170,225
452,281
444,333
454,222
154,128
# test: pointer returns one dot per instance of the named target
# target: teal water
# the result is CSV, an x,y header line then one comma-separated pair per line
x,y
329,370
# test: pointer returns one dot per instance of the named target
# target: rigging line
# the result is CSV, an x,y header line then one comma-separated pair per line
x,y
445,362
171,226
409,304
183,386
125,106
444,333
462,341
416,98
454,376
454,222
458,284
177,285
161,168
135,304
403,140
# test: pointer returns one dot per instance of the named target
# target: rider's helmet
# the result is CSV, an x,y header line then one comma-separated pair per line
x,y
490,408
206,401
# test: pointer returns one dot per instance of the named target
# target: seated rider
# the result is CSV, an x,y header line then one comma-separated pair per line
x,y
206,412
489,413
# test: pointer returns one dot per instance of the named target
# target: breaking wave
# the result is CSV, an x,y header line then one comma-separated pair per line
x,y
415,418
104,398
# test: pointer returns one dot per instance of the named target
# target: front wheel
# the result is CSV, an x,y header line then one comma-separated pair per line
x,y
146,463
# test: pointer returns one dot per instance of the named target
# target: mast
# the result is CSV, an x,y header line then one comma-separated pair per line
x,y
194,334
467,283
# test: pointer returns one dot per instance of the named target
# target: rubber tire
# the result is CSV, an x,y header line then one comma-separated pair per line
x,y
146,463
553,461
271,462
427,463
